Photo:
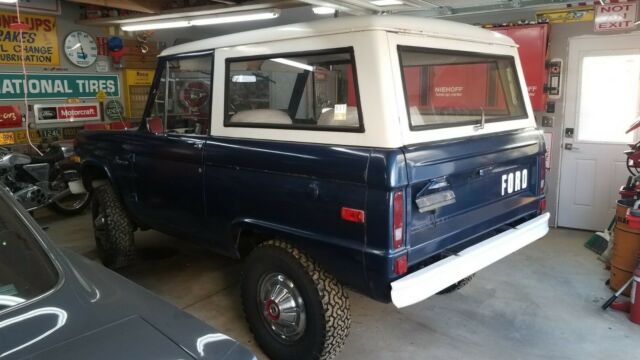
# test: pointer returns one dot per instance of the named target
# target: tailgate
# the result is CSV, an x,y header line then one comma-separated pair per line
x,y
460,189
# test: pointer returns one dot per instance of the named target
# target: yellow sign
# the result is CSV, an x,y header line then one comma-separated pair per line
x,y
139,77
101,95
21,136
40,41
570,15
6,138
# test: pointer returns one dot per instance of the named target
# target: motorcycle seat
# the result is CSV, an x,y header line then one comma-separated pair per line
x,y
52,156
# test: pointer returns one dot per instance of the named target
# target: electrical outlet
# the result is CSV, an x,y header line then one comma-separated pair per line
x,y
547,121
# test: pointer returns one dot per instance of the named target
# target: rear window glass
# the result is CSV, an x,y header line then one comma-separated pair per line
x,y
303,91
26,271
445,89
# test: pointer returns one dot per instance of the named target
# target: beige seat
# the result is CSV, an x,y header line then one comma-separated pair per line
x,y
261,116
327,118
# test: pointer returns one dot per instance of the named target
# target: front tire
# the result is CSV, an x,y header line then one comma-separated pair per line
x,y
295,309
112,228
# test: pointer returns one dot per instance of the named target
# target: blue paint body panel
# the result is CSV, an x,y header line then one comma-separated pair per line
x,y
214,190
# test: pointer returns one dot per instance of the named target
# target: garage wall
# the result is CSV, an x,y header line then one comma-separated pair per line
x,y
65,24
559,36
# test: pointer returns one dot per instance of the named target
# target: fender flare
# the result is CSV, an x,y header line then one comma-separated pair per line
x,y
92,163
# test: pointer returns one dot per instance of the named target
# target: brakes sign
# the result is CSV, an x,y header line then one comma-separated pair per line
x,y
513,181
67,113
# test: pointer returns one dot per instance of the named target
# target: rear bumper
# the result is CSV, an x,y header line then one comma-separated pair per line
x,y
424,283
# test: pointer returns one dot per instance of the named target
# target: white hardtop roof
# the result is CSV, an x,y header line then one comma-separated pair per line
x,y
392,23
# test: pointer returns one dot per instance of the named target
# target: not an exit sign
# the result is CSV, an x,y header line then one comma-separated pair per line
x,y
615,16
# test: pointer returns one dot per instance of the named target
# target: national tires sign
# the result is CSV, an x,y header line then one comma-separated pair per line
x,y
57,86
67,113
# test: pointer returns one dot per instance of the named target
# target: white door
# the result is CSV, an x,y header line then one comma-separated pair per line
x,y
602,101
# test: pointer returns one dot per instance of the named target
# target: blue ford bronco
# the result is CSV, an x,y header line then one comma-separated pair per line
x,y
355,152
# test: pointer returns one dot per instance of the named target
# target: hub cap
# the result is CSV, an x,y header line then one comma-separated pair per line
x,y
282,307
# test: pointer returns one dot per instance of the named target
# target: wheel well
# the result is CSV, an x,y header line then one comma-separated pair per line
x,y
248,239
91,174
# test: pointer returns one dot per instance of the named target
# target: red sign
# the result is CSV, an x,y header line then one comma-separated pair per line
x,y
67,112
10,116
84,112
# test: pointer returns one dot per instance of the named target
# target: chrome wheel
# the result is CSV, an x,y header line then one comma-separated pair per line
x,y
73,202
282,307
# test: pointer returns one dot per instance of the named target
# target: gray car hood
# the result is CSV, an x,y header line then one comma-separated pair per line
x,y
96,314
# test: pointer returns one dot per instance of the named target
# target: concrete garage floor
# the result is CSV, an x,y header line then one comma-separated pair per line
x,y
540,303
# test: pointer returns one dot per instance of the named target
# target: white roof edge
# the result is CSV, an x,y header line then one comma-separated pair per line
x,y
392,23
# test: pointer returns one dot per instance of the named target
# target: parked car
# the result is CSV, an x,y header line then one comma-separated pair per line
x,y
55,304
357,152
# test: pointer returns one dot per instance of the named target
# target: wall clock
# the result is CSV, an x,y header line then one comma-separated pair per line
x,y
80,48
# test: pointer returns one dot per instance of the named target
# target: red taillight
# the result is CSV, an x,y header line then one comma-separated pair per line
x,y
542,173
352,215
400,265
542,205
398,219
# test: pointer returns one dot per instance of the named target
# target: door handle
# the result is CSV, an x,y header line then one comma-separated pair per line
x,y
197,145
569,146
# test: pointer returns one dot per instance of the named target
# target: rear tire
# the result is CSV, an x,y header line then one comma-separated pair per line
x,y
295,309
112,228
456,286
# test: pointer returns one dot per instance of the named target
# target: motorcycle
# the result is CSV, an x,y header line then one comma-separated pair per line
x,y
51,179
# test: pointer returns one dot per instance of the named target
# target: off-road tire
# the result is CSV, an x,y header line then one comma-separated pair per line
x,y
116,249
456,286
325,302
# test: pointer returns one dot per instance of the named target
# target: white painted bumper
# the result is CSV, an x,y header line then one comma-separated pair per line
x,y
426,282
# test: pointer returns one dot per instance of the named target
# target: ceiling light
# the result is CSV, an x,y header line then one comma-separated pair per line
x,y
323,10
237,17
293,63
386,2
8,1
152,25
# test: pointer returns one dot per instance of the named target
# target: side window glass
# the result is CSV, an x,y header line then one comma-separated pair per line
x,y
306,91
183,101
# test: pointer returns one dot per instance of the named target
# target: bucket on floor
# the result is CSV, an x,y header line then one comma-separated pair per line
x,y
626,246
618,278
621,212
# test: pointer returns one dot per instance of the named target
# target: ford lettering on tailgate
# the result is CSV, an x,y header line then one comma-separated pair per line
x,y
513,181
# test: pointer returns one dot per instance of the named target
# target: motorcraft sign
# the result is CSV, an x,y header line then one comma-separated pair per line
x,y
67,112
57,86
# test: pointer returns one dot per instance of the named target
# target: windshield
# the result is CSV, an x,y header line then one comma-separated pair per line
x,y
450,88
25,270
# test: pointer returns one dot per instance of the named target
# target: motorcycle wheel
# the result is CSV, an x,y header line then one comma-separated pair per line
x,y
72,204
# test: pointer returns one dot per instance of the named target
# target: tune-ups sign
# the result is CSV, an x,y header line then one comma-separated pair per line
x,y
67,113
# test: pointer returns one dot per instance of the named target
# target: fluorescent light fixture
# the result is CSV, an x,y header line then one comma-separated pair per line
x,y
8,1
386,2
152,25
323,10
237,17
201,20
244,78
293,63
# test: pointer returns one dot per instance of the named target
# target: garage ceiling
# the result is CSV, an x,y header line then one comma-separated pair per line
x,y
151,10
